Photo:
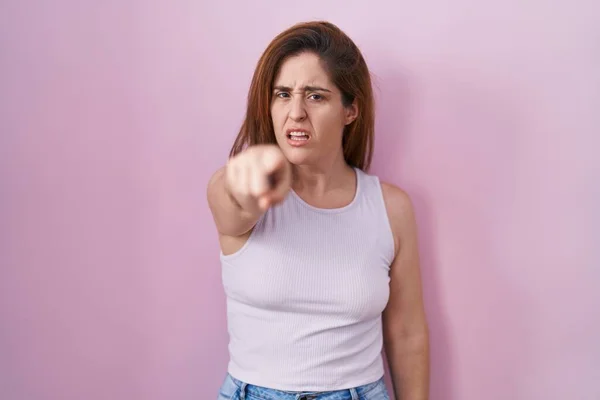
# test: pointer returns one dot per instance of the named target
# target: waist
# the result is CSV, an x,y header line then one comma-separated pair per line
x,y
291,351
374,389
307,361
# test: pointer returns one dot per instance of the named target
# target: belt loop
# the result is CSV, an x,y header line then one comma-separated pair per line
x,y
354,394
243,390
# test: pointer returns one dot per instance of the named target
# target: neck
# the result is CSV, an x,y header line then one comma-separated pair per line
x,y
317,179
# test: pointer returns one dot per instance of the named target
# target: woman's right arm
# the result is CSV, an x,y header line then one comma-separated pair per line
x,y
240,192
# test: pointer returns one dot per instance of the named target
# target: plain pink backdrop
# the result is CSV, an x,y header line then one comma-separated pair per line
x,y
114,114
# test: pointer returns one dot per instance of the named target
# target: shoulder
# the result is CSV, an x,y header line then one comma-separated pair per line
x,y
400,211
397,201
216,175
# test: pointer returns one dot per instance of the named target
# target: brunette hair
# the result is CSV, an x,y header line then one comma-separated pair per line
x,y
347,69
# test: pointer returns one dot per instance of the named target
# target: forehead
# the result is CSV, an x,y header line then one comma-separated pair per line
x,y
302,69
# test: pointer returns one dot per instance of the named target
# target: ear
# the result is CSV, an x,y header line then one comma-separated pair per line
x,y
351,112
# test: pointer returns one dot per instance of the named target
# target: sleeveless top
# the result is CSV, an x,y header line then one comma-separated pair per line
x,y
306,291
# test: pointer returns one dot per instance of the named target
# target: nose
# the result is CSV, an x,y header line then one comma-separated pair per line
x,y
297,109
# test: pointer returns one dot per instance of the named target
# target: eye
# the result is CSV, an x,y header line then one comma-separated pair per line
x,y
316,97
283,95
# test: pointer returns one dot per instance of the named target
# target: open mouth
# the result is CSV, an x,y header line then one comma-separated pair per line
x,y
298,136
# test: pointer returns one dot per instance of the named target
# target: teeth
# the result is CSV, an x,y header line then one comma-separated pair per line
x,y
298,134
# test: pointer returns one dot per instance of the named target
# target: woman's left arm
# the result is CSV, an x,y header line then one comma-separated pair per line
x,y
405,329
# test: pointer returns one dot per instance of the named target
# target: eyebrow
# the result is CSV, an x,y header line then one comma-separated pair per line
x,y
305,88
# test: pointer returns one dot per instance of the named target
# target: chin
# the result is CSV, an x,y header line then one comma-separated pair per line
x,y
297,156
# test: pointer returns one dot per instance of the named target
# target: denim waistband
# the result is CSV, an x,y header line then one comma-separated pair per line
x,y
371,391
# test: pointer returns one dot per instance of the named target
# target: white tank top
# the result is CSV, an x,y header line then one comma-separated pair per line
x,y
306,291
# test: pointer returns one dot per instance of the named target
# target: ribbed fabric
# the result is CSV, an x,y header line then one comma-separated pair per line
x,y
306,292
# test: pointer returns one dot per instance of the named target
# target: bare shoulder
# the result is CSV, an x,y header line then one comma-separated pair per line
x,y
214,178
397,201
399,207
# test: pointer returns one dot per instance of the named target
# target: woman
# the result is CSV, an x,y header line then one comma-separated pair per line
x,y
319,259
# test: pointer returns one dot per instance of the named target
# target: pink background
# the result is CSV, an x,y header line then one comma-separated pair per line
x,y
113,115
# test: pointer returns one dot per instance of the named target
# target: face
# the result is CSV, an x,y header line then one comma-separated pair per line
x,y
307,111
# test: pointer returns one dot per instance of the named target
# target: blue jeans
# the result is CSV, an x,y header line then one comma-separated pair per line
x,y
233,389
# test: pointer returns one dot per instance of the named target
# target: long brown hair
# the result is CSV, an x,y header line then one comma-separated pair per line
x,y
347,69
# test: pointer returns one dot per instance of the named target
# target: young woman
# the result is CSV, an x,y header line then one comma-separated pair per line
x,y
319,258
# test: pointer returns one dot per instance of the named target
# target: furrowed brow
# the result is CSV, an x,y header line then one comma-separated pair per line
x,y
315,89
305,88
